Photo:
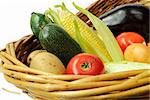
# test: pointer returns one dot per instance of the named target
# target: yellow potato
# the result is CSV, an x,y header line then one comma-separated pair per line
x,y
32,54
47,62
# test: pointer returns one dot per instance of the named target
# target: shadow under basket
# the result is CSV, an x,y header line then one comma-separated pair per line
x,y
45,86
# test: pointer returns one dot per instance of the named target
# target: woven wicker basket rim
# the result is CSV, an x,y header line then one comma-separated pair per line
x,y
22,77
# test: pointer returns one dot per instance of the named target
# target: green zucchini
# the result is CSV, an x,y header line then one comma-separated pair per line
x,y
37,22
56,40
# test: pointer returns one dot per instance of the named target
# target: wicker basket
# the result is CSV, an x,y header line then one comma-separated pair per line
x,y
45,86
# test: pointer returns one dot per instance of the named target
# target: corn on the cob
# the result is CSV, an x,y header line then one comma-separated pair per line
x,y
105,33
67,21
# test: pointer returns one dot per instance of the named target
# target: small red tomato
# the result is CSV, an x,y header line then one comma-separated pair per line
x,y
85,64
127,38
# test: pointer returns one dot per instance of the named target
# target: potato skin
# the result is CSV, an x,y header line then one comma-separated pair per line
x,y
47,62
32,54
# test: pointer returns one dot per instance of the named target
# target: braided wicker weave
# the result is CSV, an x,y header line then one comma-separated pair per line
x,y
45,86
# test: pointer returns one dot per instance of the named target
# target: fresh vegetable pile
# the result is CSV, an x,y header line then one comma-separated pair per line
x,y
83,50
66,59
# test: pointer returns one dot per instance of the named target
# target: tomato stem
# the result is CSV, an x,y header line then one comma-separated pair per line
x,y
85,66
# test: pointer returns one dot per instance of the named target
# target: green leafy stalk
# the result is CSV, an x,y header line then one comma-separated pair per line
x,y
107,36
80,40
54,15
63,6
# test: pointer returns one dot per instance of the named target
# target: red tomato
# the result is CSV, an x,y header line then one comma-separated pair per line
x,y
127,38
85,64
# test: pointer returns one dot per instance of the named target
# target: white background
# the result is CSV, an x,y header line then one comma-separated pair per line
x,y
15,23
